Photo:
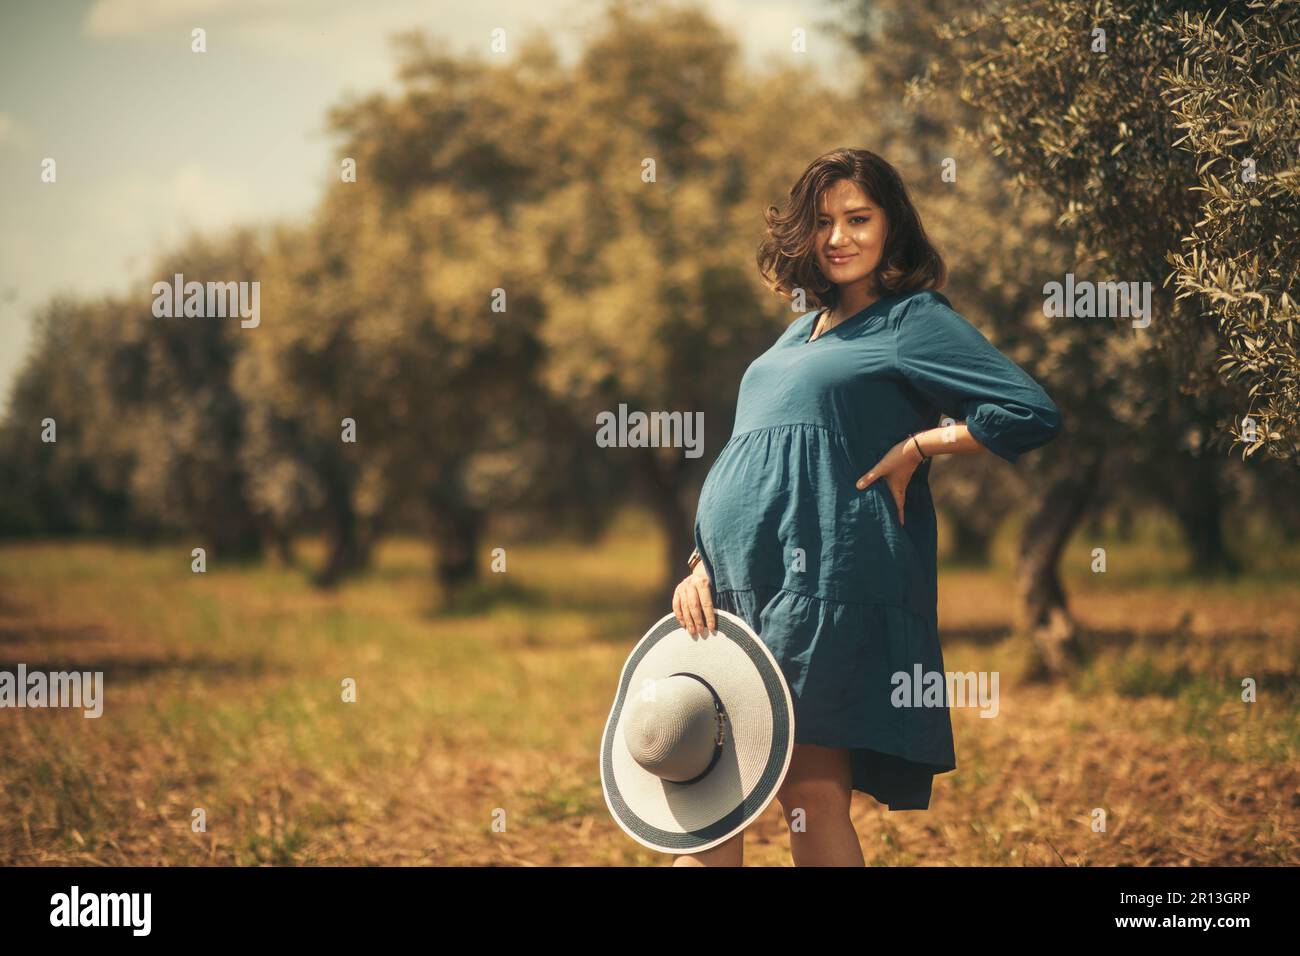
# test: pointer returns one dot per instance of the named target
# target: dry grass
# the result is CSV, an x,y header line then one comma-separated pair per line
x,y
223,693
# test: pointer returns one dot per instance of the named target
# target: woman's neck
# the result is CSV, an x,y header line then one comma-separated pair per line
x,y
854,300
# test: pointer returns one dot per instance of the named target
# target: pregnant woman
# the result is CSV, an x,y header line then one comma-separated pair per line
x,y
816,525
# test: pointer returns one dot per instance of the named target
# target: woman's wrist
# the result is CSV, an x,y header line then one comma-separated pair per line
x,y
912,445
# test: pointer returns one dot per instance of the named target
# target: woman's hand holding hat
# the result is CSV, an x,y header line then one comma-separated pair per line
x,y
693,602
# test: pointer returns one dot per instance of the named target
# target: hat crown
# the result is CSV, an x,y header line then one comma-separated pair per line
x,y
672,728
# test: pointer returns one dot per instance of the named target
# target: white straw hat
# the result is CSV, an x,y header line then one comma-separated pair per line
x,y
699,738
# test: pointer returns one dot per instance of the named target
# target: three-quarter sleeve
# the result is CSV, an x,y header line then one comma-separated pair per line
x,y
951,364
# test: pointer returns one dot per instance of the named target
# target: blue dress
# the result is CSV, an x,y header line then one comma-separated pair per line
x,y
842,594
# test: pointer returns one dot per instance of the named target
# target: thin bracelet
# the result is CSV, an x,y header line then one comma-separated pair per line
x,y
693,560
924,456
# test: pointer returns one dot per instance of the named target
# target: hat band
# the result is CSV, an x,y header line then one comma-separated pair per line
x,y
721,737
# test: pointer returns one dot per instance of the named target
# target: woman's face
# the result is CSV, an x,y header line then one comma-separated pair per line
x,y
851,232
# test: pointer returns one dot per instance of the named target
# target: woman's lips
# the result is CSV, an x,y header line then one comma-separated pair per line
x,y
836,260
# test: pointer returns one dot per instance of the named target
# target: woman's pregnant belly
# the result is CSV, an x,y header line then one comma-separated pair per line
x,y
779,509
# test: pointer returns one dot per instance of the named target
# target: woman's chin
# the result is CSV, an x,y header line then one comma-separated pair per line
x,y
847,274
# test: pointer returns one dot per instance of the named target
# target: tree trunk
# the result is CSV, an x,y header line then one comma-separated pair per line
x,y
971,545
680,542
348,551
662,482
283,542
1197,503
1042,607
457,531
223,516
238,540
1124,529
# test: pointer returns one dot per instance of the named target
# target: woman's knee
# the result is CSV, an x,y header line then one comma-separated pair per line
x,y
815,797
819,780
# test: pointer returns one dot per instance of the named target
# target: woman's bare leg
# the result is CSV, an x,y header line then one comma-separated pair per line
x,y
730,853
816,795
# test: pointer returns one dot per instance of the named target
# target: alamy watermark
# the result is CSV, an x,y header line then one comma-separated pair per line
x,y
926,689
1087,300
102,909
211,300
653,430
55,689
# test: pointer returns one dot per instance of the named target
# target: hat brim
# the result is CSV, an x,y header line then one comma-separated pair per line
x,y
690,818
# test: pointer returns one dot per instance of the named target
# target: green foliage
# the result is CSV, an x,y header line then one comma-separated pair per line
x,y
1234,92
1139,148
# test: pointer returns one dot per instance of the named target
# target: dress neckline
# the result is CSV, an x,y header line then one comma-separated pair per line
x,y
808,340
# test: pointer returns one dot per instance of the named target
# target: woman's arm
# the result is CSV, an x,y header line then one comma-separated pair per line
x,y
954,439
949,362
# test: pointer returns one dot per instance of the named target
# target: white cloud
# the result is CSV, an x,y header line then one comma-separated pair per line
x,y
192,191
146,217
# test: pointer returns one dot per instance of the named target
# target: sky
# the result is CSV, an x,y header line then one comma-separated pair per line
x,y
151,140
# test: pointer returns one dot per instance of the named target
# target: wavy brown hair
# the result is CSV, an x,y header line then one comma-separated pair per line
x,y
786,257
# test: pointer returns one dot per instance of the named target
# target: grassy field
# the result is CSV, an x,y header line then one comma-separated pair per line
x,y
224,693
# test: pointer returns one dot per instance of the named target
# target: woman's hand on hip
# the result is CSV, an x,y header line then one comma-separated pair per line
x,y
693,603
896,468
